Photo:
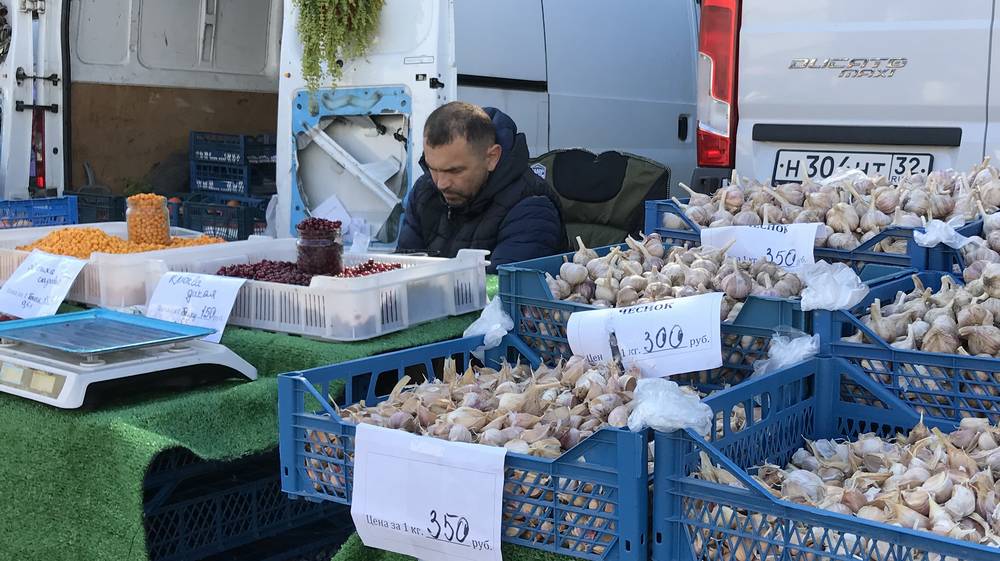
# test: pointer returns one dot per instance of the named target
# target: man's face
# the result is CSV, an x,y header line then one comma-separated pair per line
x,y
460,169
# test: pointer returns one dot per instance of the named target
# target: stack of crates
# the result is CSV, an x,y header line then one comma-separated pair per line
x,y
232,179
233,164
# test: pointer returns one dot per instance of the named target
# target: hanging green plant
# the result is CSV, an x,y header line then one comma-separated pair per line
x,y
333,31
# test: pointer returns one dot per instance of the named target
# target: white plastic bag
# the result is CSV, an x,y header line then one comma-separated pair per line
x,y
843,174
271,217
830,287
493,324
938,232
786,350
662,405
360,236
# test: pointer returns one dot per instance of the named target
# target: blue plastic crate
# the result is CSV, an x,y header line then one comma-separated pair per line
x,y
316,448
694,519
203,508
940,258
239,149
57,211
213,216
540,319
233,179
941,386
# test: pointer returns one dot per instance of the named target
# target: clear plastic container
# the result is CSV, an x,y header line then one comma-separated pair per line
x,y
148,219
320,253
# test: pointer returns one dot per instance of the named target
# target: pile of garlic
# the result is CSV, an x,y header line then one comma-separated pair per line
x,y
926,480
852,211
542,412
980,252
647,273
955,319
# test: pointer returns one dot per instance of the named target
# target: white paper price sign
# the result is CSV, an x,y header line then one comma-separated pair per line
x,y
788,246
661,339
194,299
39,285
425,497
671,336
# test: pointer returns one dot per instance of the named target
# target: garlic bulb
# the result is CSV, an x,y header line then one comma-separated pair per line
x,y
874,220
991,279
572,273
583,255
737,285
843,218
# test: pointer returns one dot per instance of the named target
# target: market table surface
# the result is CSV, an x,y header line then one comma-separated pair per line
x,y
71,482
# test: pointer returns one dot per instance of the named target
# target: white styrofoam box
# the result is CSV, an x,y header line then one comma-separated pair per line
x,y
345,309
108,280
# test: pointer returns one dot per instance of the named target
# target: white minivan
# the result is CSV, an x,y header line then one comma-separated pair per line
x,y
119,84
790,89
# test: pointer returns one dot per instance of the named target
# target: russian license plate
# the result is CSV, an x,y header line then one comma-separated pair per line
x,y
792,165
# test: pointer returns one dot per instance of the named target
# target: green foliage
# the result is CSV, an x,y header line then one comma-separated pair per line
x,y
333,31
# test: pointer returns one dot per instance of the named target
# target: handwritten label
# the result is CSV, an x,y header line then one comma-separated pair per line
x,y
672,336
39,285
452,514
194,299
788,246
660,338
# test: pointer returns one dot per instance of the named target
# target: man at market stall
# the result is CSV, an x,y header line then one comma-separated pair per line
x,y
479,192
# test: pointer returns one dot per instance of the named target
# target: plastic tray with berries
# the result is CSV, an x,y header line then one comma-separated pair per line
x,y
375,294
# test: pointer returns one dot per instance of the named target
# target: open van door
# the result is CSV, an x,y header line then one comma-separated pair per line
x,y
31,83
351,153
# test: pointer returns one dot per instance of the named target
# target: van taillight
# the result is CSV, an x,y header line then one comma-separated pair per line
x,y
717,43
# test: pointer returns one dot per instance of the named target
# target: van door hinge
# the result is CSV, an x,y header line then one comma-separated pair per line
x,y
34,6
22,106
21,76
435,83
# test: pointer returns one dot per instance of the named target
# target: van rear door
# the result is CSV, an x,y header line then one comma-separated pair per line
x,y
887,87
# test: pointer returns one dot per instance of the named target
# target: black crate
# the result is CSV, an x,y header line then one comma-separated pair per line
x,y
99,207
216,507
215,215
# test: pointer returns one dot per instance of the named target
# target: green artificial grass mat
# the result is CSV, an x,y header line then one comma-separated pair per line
x,y
354,550
71,482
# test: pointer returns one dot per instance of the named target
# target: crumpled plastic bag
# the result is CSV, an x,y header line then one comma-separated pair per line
x,y
830,287
493,324
938,232
844,174
785,351
271,217
664,406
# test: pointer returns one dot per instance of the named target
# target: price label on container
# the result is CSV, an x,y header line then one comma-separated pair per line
x,y
660,338
671,336
788,246
425,497
194,299
39,285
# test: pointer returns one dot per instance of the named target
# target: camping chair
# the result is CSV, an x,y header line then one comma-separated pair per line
x,y
603,196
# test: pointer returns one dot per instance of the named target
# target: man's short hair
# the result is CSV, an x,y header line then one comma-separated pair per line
x,y
459,119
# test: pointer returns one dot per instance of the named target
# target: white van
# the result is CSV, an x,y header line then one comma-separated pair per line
x,y
789,89
134,77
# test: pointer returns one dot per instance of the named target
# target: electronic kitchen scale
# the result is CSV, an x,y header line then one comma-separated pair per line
x,y
54,359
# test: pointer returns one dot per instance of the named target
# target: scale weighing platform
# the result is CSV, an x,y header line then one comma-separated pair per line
x,y
54,359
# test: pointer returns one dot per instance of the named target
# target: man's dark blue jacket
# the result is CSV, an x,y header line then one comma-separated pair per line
x,y
516,215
